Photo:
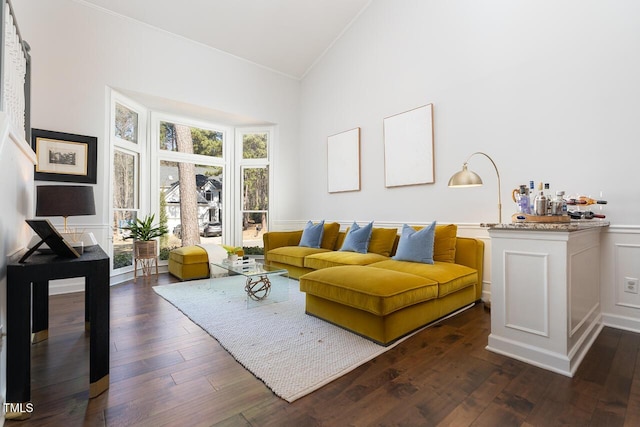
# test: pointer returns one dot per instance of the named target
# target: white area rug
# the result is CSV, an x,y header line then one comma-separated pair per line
x,y
291,352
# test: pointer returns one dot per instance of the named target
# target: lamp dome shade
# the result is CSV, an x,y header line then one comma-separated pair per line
x,y
64,200
465,178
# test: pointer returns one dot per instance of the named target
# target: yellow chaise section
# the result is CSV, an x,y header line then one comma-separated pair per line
x,y
382,304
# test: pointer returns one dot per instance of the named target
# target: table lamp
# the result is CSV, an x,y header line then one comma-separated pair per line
x,y
467,178
66,201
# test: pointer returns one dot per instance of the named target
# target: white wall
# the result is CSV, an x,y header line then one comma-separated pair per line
x,y
549,89
79,51
16,171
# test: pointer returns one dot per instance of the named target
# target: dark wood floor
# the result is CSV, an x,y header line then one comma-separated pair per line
x,y
167,371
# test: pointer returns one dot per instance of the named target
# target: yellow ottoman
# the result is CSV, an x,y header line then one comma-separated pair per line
x,y
189,262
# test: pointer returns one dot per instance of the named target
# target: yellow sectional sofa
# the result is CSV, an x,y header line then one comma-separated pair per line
x,y
373,294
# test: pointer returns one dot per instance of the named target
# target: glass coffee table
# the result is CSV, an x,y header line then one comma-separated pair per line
x,y
258,277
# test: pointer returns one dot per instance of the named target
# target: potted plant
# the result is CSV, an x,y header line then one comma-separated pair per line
x,y
233,252
143,232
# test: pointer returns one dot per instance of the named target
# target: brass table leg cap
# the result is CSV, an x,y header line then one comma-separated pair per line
x,y
17,416
39,336
96,388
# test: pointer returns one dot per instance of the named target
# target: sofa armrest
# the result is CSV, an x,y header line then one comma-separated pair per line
x,y
278,239
470,252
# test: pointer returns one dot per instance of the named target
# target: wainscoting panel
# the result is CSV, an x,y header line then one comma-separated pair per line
x,y
620,260
584,287
528,279
627,257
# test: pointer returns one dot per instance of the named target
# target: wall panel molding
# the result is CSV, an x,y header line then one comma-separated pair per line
x,y
529,273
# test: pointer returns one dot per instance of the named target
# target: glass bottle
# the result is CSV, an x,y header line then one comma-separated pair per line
x,y
540,202
524,203
557,204
532,196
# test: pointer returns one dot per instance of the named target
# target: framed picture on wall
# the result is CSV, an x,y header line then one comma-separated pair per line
x,y
343,161
408,147
64,156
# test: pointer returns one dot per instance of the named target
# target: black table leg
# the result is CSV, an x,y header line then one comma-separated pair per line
x,y
18,348
97,296
40,313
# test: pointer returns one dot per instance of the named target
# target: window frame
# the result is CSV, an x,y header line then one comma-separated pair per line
x,y
150,155
242,163
158,155
140,150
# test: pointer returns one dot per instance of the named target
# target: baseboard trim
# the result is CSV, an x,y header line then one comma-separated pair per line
x,y
621,322
564,364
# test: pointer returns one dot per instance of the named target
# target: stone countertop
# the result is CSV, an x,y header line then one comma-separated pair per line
x,y
573,225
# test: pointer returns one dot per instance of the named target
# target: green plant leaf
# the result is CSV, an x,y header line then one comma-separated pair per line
x,y
144,229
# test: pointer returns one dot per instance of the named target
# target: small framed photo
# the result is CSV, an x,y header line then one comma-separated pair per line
x,y
64,156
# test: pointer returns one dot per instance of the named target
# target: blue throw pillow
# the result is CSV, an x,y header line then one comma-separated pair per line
x,y
357,239
416,246
312,235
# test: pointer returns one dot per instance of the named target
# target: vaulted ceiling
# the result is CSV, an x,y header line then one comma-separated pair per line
x,y
287,36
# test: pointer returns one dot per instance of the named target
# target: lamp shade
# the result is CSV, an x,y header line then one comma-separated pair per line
x,y
64,200
465,178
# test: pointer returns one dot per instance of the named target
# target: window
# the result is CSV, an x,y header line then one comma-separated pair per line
x,y
127,127
208,202
254,175
125,196
126,124
191,164
203,181
203,142
255,205
255,146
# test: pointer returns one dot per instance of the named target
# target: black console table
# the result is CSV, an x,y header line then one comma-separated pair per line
x,y
25,310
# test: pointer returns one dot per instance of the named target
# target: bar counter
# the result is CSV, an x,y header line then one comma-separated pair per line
x,y
573,225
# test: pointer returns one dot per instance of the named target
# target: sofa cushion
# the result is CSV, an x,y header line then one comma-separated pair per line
x,y
382,240
444,243
416,246
357,238
292,255
312,235
330,235
336,258
377,291
450,277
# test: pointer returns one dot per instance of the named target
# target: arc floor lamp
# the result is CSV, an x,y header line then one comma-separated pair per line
x,y
467,178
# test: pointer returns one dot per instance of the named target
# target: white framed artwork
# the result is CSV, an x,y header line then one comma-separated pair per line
x,y
343,161
408,147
